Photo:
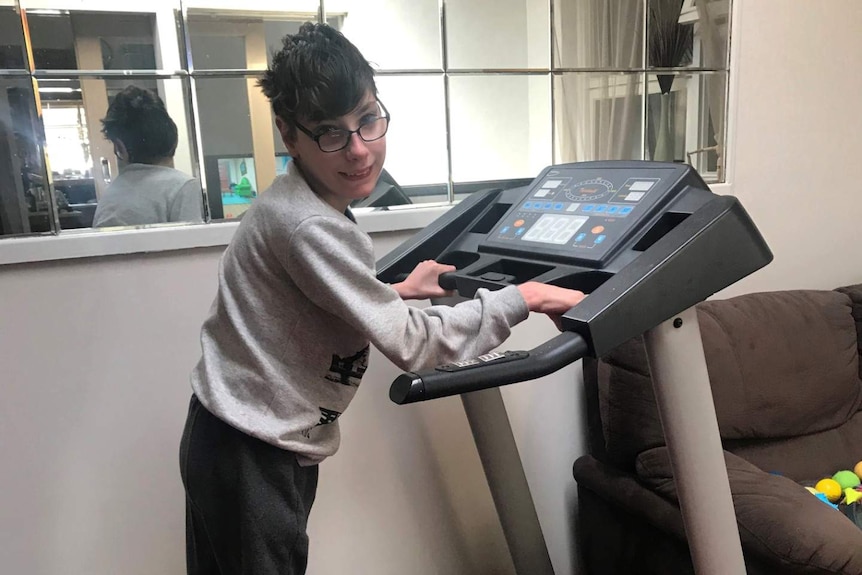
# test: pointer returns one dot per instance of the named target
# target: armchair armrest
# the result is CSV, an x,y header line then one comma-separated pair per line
x,y
626,492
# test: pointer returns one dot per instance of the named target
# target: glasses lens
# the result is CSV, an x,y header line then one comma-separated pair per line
x,y
373,130
333,140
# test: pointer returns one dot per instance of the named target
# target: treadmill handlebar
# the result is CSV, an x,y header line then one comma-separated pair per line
x,y
490,370
447,281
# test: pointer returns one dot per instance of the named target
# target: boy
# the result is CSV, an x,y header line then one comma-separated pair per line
x,y
148,189
287,339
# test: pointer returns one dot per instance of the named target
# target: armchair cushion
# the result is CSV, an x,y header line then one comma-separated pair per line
x,y
779,521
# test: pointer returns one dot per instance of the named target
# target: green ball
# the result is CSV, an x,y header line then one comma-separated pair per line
x,y
846,479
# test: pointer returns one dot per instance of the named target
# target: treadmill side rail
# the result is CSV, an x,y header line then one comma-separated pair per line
x,y
566,348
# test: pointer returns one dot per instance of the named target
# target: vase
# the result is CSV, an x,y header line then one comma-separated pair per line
x,y
664,148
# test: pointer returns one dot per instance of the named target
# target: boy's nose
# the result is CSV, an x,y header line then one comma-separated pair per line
x,y
356,146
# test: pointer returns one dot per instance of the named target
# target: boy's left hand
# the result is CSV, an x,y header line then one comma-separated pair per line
x,y
422,283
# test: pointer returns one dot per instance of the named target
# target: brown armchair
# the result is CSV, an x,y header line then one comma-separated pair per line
x,y
786,379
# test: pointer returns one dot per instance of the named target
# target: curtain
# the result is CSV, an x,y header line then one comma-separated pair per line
x,y
598,114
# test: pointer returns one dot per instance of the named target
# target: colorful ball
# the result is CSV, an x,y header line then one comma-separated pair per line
x,y
846,478
858,469
830,488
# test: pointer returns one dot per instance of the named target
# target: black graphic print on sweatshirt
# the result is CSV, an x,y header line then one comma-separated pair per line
x,y
348,370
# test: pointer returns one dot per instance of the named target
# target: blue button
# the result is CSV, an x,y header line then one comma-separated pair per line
x,y
520,231
581,237
626,210
528,205
558,206
612,209
547,206
504,230
588,208
600,239
600,209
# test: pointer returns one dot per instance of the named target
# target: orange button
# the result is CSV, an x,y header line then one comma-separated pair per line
x,y
518,223
595,230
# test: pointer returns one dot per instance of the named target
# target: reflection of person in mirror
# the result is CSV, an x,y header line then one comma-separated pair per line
x,y
286,342
148,190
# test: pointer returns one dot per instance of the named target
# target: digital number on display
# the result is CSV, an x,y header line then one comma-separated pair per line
x,y
554,229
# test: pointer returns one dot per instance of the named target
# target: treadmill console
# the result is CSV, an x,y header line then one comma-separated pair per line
x,y
582,213
645,240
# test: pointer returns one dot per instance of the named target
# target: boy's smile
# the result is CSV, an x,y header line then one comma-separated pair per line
x,y
359,176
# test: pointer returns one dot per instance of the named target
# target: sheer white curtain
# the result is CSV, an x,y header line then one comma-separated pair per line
x,y
598,114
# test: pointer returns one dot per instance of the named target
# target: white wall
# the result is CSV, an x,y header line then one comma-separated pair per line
x,y
95,354
796,138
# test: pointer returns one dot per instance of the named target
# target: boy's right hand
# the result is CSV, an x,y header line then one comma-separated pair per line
x,y
423,281
550,300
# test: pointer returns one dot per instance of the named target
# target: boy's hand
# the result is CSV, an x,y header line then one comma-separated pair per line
x,y
422,283
550,300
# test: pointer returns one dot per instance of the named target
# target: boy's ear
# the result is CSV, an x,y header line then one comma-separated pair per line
x,y
120,150
286,137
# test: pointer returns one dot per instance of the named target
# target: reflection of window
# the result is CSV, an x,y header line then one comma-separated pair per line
x,y
67,140
231,184
237,185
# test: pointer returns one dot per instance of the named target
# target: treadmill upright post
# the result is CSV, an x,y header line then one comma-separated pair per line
x,y
684,400
507,481
504,471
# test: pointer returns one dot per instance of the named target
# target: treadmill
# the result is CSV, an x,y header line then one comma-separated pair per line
x,y
646,241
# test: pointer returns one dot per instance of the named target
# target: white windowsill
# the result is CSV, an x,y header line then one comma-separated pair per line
x,y
95,243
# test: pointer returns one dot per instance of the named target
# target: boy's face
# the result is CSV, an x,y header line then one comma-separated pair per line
x,y
347,174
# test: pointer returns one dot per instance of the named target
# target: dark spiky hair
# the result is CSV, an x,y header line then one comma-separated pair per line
x,y
318,74
138,118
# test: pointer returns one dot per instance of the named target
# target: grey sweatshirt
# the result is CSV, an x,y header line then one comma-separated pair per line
x,y
286,341
145,194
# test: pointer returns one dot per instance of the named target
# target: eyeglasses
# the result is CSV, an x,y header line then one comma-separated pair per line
x,y
371,127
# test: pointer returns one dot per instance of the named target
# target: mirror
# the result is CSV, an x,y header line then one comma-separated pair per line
x,y
242,152
478,98
80,40
25,207
485,148
119,150
12,52
391,34
515,35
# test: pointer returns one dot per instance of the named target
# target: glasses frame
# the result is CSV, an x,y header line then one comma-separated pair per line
x,y
386,116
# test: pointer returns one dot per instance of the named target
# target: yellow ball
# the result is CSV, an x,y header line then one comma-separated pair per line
x,y
830,488
858,469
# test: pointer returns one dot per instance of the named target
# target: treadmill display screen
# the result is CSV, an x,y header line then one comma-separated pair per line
x,y
554,229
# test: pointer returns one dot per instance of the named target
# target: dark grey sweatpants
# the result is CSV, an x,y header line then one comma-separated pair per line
x,y
247,502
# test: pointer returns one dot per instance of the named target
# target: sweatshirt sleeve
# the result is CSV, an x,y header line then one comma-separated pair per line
x,y
331,261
